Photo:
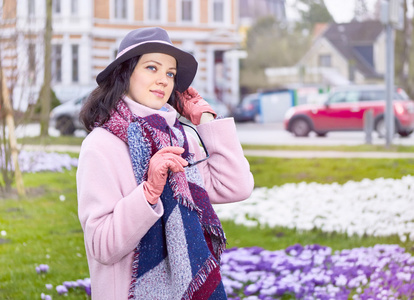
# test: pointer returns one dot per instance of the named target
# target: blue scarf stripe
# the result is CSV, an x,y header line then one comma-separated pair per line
x,y
176,245
198,252
153,250
138,148
219,293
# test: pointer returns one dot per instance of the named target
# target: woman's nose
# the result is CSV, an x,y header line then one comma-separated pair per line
x,y
162,80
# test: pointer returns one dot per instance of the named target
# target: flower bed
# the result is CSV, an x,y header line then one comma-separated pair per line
x,y
39,161
308,273
314,272
380,207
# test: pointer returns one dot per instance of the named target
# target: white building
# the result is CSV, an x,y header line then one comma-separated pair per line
x,y
86,35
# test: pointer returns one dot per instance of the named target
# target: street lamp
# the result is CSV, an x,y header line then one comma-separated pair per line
x,y
392,16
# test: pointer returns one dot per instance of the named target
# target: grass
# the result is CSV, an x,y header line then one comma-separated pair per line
x,y
51,140
270,171
346,148
73,140
43,229
280,238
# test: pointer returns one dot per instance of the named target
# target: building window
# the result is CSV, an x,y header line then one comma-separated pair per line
x,y
154,8
120,9
57,63
74,7
31,8
187,10
75,63
218,11
31,52
325,60
56,5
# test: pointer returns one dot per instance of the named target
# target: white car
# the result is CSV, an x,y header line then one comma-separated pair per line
x,y
65,117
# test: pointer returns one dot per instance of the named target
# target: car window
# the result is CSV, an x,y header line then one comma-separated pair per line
x,y
376,95
337,97
344,97
372,95
400,94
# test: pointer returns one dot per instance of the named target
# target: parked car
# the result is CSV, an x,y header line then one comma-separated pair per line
x,y
345,108
248,110
65,117
219,107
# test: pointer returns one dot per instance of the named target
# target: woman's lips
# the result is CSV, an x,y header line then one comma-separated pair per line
x,y
158,93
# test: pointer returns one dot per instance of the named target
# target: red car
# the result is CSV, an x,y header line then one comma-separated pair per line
x,y
344,111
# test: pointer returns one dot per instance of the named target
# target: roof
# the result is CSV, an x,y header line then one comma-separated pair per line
x,y
350,38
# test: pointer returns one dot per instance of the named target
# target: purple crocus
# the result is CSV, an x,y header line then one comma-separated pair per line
x,y
61,289
314,272
42,268
45,297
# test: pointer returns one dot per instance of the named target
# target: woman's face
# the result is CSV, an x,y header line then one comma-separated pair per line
x,y
152,80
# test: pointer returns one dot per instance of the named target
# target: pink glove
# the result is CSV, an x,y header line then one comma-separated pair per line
x,y
167,158
194,105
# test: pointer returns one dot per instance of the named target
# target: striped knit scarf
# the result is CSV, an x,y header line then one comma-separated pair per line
x,y
179,256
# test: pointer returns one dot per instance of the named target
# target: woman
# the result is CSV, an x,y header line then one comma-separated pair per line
x,y
145,187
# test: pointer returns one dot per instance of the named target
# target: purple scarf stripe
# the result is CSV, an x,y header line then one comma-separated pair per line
x,y
191,232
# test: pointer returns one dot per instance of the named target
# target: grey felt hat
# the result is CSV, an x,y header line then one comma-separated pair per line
x,y
153,40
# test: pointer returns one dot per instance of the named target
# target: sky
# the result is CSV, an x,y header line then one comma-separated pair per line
x,y
341,10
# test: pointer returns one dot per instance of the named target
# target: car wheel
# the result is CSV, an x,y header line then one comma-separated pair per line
x,y
300,127
381,129
65,126
405,133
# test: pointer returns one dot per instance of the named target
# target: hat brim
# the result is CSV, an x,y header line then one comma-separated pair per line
x,y
186,63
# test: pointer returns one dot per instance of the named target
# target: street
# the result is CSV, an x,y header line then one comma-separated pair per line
x,y
267,134
274,134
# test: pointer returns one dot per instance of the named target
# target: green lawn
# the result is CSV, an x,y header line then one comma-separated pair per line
x,y
42,229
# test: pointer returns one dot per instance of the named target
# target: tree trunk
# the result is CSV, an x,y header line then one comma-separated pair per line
x,y
5,155
12,137
402,50
410,77
45,99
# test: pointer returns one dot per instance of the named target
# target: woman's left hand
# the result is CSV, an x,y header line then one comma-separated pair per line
x,y
194,106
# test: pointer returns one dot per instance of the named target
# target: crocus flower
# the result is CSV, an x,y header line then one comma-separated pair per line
x,y
42,268
61,289
45,297
315,272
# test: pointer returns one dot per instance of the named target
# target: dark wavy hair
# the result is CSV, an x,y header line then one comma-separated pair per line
x,y
103,99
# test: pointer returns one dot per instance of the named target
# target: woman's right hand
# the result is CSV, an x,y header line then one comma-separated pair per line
x,y
194,106
166,159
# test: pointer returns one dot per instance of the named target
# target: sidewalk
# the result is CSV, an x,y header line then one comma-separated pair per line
x,y
250,152
326,154
51,148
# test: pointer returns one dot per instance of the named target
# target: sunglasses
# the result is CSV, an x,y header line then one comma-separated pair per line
x,y
192,164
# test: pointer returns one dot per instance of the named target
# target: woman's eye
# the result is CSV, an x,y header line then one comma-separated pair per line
x,y
171,74
152,68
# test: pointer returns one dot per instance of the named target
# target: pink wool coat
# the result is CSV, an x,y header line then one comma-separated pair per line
x,y
113,211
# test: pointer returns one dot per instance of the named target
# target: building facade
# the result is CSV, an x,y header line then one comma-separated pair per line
x,y
344,53
86,35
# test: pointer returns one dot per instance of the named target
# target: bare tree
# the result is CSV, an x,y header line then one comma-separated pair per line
x,y
45,91
11,134
402,49
18,90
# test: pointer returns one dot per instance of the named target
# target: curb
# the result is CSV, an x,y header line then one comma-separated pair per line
x,y
326,154
264,153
